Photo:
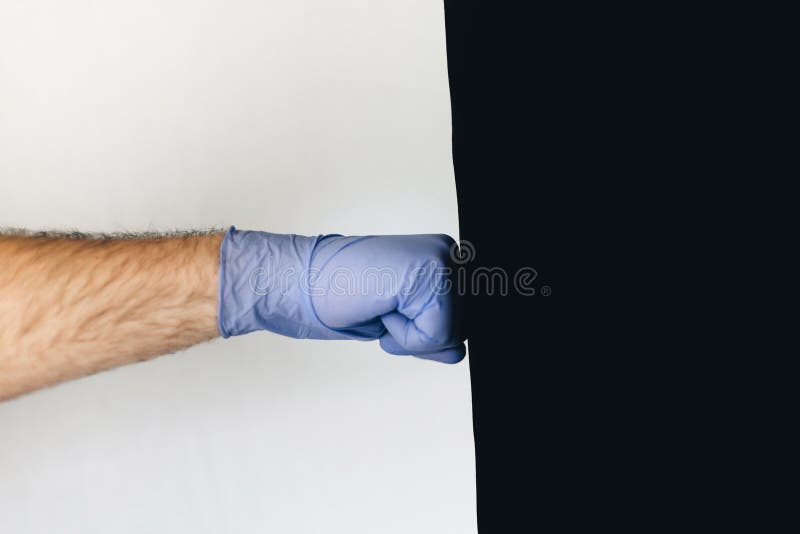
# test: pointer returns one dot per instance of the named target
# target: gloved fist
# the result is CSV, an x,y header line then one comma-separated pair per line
x,y
398,289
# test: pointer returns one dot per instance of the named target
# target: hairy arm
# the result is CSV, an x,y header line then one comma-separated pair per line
x,y
72,306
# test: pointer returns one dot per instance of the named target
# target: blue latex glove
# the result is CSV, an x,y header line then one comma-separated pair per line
x,y
394,288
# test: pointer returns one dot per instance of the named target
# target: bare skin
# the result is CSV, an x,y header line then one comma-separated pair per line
x,y
73,306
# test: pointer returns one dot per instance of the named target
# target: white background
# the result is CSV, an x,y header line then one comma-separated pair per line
x,y
304,116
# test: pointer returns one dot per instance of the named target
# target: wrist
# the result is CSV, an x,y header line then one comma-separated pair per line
x,y
263,285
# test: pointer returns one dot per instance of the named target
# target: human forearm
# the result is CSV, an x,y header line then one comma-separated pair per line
x,y
72,307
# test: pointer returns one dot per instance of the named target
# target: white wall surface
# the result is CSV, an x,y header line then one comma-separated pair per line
x,y
304,116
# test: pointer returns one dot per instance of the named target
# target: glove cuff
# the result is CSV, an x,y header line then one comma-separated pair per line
x,y
263,285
